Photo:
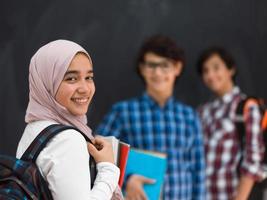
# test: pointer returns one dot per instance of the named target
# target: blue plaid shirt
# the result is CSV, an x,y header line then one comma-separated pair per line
x,y
173,129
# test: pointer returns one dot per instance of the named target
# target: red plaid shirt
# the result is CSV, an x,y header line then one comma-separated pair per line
x,y
222,146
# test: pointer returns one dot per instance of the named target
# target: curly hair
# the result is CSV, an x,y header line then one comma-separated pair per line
x,y
162,46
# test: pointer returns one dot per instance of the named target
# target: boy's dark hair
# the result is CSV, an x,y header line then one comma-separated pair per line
x,y
162,46
222,53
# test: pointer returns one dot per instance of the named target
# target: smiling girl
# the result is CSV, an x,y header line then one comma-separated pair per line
x,y
61,88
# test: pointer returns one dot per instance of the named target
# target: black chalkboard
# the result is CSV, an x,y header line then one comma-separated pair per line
x,y
112,32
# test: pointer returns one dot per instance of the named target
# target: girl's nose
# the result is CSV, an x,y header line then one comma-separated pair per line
x,y
83,87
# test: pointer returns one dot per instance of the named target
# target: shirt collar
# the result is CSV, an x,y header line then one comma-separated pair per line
x,y
228,97
153,103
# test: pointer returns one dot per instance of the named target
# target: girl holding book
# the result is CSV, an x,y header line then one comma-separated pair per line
x,y
61,88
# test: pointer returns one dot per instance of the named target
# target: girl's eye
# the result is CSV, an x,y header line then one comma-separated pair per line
x,y
70,79
90,78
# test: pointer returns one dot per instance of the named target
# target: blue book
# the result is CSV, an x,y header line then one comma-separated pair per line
x,y
151,165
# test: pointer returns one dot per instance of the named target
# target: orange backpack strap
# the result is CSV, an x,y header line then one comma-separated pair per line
x,y
264,121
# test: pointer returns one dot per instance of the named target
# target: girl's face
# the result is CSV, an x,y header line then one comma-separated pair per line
x,y
216,76
77,87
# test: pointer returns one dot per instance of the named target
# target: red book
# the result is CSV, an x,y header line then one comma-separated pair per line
x,y
120,151
123,157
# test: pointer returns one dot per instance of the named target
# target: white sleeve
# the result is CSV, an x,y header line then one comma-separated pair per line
x,y
65,164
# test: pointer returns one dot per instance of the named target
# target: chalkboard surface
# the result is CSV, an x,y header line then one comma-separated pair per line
x,y
112,32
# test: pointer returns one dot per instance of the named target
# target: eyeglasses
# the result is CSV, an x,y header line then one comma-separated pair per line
x,y
165,66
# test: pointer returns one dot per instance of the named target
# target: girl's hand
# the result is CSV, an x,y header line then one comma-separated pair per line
x,y
101,150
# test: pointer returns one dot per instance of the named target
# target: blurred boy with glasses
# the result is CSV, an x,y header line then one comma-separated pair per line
x,y
157,121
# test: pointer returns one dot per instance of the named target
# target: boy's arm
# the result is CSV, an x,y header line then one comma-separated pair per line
x,y
251,169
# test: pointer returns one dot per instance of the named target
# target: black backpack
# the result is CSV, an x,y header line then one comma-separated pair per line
x,y
21,178
259,187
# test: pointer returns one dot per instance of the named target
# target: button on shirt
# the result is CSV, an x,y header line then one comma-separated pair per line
x,y
173,129
222,146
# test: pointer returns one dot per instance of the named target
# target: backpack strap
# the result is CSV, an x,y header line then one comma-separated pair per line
x,y
264,121
44,137
240,126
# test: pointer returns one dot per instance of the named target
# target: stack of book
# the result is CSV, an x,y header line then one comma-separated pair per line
x,y
120,151
151,165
